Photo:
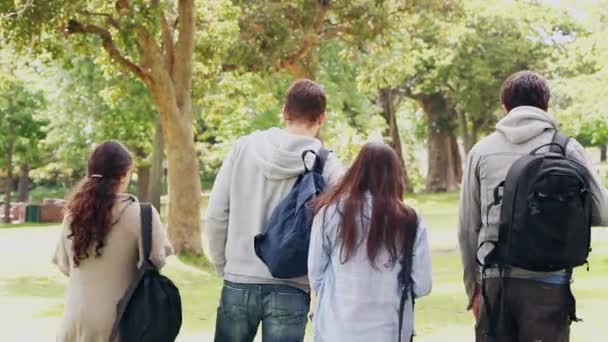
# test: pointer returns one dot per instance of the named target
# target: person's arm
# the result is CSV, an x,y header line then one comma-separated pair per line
x,y
161,247
61,257
319,251
469,225
599,194
218,211
422,280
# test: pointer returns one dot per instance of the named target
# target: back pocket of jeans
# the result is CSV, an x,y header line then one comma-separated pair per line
x,y
233,301
292,308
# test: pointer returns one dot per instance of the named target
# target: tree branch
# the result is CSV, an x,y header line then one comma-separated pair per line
x,y
321,15
332,32
19,11
110,20
168,47
122,5
181,73
311,39
108,44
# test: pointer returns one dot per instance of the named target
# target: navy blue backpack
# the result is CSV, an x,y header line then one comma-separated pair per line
x,y
283,246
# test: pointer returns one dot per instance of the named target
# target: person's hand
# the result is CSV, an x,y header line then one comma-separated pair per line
x,y
313,304
476,302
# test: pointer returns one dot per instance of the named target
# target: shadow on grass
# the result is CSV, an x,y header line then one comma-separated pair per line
x,y
30,286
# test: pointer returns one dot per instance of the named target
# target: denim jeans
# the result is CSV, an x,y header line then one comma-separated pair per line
x,y
282,310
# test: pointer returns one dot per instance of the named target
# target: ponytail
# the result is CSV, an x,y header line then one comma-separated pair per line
x,y
90,208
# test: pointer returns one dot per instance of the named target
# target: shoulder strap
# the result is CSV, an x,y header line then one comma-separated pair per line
x,y
146,240
407,285
321,160
560,139
146,228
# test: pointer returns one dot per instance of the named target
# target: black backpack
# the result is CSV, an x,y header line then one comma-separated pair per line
x,y
151,309
545,218
283,246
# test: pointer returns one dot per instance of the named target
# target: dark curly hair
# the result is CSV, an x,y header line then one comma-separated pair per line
x,y
90,208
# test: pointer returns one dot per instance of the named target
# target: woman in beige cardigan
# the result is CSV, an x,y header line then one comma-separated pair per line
x,y
100,246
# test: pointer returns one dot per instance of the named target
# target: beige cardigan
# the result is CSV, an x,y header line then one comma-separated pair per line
x,y
95,287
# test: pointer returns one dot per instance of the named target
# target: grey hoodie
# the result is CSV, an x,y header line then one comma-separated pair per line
x,y
256,175
519,132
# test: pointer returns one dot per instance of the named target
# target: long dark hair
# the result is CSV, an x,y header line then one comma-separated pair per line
x,y
90,208
392,224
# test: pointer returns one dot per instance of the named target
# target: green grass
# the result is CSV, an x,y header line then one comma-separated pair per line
x,y
198,261
26,225
32,286
35,291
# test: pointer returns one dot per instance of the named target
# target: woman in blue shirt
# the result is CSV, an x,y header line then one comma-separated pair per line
x,y
364,239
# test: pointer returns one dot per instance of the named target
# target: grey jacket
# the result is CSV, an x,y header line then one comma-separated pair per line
x,y
256,175
519,132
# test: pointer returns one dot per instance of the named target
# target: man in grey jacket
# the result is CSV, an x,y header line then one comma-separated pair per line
x,y
256,175
536,306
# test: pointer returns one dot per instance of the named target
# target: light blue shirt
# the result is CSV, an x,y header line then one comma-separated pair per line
x,y
356,302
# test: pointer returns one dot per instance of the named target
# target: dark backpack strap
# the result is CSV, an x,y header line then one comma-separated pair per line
x,y
407,288
146,242
146,229
560,139
402,310
322,156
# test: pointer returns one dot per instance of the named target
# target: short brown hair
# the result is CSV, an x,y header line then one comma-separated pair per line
x,y
305,101
525,88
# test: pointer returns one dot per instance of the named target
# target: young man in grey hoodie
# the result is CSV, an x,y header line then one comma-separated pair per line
x,y
536,306
256,175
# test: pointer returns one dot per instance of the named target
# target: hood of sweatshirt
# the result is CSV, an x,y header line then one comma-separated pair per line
x,y
279,153
524,123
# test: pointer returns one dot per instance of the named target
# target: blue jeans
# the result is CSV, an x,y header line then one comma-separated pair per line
x,y
282,310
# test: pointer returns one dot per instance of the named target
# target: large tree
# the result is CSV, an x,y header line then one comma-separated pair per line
x,y
451,56
21,129
152,40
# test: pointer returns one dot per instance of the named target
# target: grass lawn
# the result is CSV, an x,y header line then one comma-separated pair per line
x,y
31,290
26,225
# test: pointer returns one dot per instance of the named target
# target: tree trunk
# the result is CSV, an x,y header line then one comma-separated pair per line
x,y
467,139
456,159
143,183
156,172
8,187
24,183
184,185
444,162
170,84
386,97
603,153
475,132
